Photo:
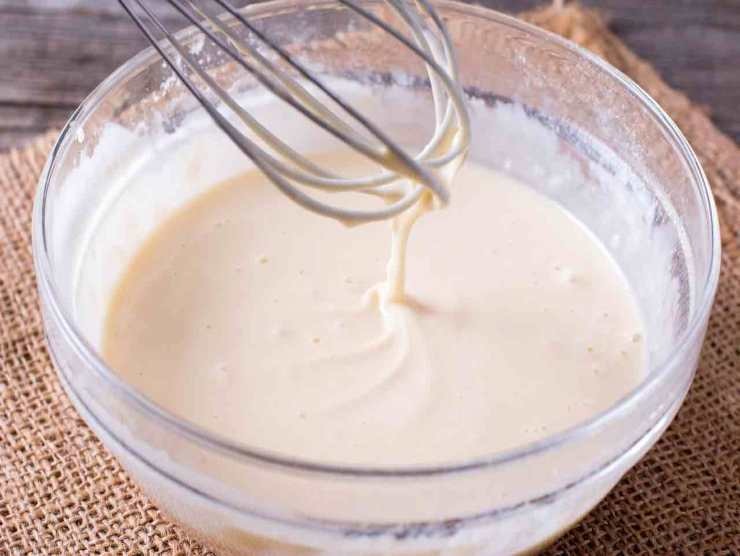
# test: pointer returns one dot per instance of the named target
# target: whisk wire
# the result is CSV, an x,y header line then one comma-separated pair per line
x,y
397,162
426,56
320,181
383,178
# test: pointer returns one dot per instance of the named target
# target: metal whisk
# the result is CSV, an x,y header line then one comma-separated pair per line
x,y
292,172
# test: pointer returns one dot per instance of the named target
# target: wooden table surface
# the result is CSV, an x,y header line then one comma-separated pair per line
x,y
54,52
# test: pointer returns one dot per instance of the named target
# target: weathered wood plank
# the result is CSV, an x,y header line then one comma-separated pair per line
x,y
54,52
58,57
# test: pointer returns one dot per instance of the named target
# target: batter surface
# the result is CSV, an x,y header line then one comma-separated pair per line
x,y
260,321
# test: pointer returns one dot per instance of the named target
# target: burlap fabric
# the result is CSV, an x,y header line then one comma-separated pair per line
x,y
62,493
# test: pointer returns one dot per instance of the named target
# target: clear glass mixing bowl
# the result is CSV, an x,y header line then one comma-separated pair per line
x,y
543,110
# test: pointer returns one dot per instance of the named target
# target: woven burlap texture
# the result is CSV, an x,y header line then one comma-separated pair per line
x,y
62,493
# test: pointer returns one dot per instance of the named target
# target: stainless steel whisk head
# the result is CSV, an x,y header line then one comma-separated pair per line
x,y
293,173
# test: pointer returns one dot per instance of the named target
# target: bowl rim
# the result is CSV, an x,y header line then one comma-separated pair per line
x,y
238,450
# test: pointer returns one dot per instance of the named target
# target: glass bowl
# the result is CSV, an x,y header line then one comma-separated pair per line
x,y
544,111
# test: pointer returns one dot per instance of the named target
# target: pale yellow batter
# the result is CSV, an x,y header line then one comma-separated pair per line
x,y
261,321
